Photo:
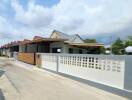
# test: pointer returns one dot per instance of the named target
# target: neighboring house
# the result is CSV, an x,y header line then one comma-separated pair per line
x,y
8,49
57,43
73,44
4,51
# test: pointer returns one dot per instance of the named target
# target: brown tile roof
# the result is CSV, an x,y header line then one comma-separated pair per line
x,y
37,37
40,39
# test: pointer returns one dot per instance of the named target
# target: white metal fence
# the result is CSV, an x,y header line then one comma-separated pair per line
x,y
104,69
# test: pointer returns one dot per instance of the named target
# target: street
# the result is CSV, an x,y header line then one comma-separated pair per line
x,y
17,83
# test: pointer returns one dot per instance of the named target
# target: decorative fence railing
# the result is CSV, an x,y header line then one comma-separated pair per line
x,y
110,70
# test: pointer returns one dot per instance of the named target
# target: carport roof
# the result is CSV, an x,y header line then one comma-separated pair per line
x,y
86,44
35,40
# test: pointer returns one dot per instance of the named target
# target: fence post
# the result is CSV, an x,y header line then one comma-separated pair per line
x,y
128,73
57,61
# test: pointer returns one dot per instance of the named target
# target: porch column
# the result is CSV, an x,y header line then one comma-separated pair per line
x,y
37,47
26,48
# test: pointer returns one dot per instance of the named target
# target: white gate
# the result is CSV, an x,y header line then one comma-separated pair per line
x,y
49,61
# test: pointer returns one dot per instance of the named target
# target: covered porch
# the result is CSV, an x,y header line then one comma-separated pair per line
x,y
37,45
87,48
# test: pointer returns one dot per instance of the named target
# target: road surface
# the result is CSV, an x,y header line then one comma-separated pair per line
x,y
17,83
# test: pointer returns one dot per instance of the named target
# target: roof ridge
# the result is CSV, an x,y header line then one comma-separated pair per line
x,y
60,32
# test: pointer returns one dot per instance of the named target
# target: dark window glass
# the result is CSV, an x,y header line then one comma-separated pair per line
x,y
70,50
56,50
80,51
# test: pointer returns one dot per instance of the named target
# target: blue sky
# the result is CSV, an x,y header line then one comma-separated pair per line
x,y
99,19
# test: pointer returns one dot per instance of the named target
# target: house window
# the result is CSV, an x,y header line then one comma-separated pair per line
x,y
80,51
70,50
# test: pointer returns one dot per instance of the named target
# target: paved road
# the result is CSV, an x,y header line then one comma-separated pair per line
x,y
17,83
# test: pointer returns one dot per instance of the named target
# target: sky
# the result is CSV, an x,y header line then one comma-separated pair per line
x,y
99,19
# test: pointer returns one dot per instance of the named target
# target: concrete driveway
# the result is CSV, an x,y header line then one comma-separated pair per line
x,y
17,83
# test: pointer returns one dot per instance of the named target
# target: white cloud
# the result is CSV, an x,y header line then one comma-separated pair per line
x,y
63,16
85,17
72,16
4,29
35,16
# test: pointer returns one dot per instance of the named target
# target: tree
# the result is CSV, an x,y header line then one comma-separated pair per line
x,y
117,47
102,50
130,38
90,41
128,42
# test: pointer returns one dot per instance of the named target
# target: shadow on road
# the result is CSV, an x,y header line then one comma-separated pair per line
x,y
1,95
5,63
1,73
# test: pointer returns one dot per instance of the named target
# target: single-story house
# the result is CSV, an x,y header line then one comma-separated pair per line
x,y
72,44
58,42
8,49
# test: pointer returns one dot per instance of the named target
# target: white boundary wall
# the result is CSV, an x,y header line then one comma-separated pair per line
x,y
104,69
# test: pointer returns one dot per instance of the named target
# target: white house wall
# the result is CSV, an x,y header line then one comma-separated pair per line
x,y
75,49
57,45
65,48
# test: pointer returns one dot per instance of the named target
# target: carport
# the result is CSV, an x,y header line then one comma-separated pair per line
x,y
29,48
